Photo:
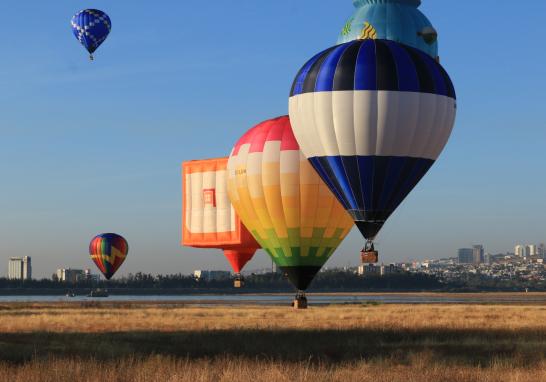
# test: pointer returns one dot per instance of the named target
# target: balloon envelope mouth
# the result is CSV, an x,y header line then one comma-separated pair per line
x,y
301,276
369,229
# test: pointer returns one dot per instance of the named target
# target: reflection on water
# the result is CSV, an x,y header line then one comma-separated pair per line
x,y
317,299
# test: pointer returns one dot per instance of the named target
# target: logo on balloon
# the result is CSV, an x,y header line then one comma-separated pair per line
x,y
209,197
347,27
368,32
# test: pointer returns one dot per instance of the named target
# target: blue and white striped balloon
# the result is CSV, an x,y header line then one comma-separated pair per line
x,y
372,116
91,27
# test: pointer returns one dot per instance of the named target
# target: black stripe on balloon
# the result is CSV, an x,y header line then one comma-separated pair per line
x,y
393,200
387,76
366,170
395,167
361,170
419,168
301,276
295,82
302,74
311,79
426,80
350,165
448,82
344,77
380,165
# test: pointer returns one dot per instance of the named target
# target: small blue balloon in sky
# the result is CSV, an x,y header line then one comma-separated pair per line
x,y
91,27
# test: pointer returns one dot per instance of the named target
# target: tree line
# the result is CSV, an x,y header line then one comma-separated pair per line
x,y
326,281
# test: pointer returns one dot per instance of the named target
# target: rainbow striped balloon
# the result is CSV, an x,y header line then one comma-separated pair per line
x,y
108,251
283,202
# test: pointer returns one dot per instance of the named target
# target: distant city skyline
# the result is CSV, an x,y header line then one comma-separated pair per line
x,y
96,147
468,255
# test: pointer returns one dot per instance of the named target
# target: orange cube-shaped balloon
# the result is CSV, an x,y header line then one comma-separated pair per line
x,y
208,218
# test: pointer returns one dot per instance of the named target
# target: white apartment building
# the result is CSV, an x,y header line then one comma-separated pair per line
x,y
20,268
519,250
531,250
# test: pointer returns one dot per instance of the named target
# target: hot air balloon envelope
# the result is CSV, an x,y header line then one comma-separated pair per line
x,y
396,20
209,220
108,251
91,27
283,201
372,116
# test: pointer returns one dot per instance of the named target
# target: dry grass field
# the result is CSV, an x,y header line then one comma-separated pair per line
x,y
365,342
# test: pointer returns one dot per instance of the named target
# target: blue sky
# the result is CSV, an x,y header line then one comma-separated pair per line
x,y
93,147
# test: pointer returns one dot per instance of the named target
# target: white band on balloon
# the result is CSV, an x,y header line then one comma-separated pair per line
x,y
372,123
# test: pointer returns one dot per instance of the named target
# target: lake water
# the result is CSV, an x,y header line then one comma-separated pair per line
x,y
315,299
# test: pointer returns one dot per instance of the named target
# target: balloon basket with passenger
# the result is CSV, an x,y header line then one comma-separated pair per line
x,y
300,301
239,281
369,254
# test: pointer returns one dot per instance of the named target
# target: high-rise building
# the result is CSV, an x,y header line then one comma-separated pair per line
x,y
20,268
478,254
541,250
466,256
519,250
74,275
531,250
381,270
368,269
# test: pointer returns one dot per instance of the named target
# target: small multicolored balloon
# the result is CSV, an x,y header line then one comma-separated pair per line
x,y
108,251
91,27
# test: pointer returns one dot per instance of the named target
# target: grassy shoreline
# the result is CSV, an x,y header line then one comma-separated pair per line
x,y
157,342
250,291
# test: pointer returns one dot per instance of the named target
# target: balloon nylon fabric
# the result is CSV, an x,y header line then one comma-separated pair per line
x,y
108,251
372,116
283,202
208,217
91,27
396,20
239,257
